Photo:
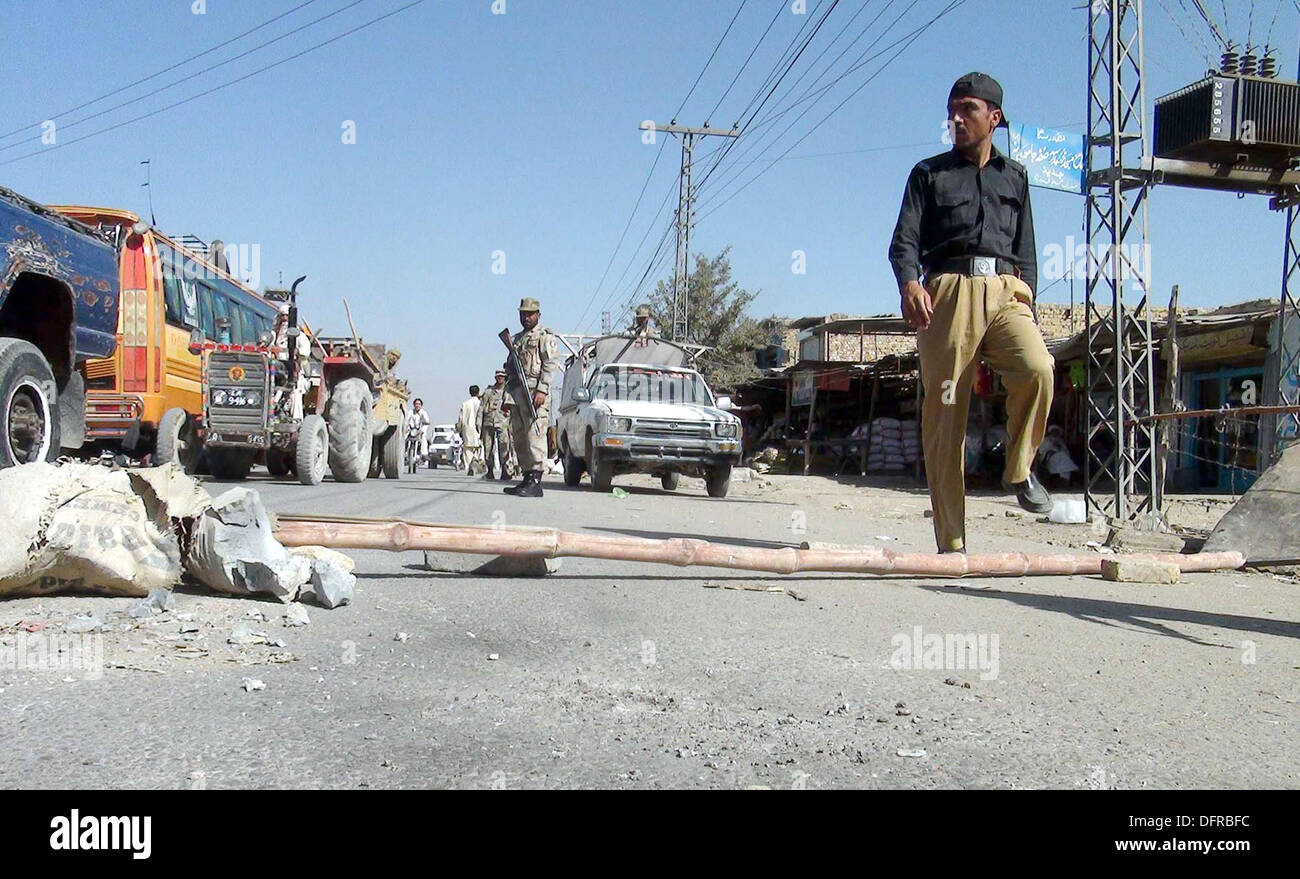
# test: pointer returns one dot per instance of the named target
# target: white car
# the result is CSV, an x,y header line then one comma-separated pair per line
x,y
643,410
440,444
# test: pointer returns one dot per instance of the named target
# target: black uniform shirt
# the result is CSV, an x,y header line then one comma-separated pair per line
x,y
952,208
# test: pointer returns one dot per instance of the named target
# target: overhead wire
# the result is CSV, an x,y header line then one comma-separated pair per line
x,y
74,123
905,42
159,73
347,33
658,153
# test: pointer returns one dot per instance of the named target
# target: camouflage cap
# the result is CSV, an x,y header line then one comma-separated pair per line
x,y
528,303
643,311
499,372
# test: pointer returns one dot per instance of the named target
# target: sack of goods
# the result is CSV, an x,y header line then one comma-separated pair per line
x,y
911,441
887,451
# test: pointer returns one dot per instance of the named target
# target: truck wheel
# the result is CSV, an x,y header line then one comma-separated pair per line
x,y
277,463
671,481
177,440
29,417
572,466
230,463
348,421
392,455
718,480
602,472
312,452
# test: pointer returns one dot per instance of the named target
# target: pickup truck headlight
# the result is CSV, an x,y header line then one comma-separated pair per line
x,y
614,424
726,428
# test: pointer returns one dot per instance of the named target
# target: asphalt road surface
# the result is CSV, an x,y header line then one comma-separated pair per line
x,y
612,674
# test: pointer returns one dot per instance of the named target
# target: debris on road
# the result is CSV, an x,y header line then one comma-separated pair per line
x,y
252,685
296,615
501,566
83,623
76,527
1264,523
910,752
1131,570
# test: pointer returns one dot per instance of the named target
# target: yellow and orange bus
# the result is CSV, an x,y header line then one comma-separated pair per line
x,y
168,291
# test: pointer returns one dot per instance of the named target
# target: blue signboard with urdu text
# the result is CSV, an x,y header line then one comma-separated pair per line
x,y
1054,159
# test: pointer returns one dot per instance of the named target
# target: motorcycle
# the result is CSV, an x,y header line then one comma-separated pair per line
x,y
413,456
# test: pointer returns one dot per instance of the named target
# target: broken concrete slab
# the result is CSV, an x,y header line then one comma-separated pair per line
x,y
1125,539
1264,524
497,566
1132,570
235,552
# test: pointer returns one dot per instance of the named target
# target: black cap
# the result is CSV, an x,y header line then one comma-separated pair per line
x,y
979,85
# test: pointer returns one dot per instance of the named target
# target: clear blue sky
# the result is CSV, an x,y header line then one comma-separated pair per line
x,y
478,133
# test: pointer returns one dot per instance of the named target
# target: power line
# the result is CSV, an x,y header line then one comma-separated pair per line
x,y
181,63
650,174
862,60
216,88
820,92
780,8
905,41
196,74
775,85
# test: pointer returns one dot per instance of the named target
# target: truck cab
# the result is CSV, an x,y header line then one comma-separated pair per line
x,y
636,405
59,297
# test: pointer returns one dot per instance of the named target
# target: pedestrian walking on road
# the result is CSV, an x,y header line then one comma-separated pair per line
x,y
493,427
535,347
468,426
965,226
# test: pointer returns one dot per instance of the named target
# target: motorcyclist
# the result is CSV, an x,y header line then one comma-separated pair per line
x,y
418,420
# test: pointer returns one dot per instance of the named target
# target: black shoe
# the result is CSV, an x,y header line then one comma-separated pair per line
x,y
532,486
1031,495
946,551
515,489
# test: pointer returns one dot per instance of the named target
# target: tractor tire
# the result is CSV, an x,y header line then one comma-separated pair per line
x,y
670,481
230,463
391,453
29,413
718,480
348,419
177,441
312,453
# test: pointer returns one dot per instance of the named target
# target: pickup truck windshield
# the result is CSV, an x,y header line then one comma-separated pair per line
x,y
650,385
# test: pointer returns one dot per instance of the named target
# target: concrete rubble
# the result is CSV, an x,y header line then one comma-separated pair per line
x,y
83,528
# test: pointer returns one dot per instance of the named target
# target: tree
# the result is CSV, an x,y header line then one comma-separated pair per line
x,y
716,318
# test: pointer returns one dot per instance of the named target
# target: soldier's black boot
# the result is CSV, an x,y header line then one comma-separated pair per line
x,y
532,486
516,489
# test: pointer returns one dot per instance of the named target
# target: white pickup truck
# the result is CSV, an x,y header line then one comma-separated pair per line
x,y
635,405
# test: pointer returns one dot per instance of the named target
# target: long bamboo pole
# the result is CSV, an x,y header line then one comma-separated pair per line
x,y
399,535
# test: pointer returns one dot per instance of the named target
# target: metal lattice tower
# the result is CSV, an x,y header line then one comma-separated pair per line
x,y
1286,391
1120,464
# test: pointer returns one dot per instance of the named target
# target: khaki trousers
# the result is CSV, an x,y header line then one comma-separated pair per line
x,y
529,438
495,452
978,318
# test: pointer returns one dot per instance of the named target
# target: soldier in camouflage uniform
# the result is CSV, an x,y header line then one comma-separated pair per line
x,y
493,428
641,323
535,345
